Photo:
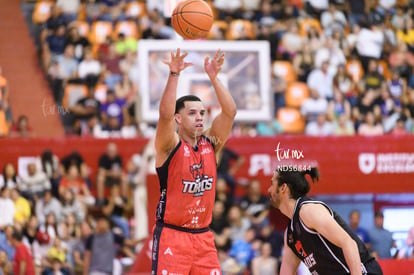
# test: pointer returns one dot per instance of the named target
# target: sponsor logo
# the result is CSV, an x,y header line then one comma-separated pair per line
x,y
386,163
166,272
198,187
206,151
299,249
265,163
197,209
186,151
288,153
168,251
309,261
215,272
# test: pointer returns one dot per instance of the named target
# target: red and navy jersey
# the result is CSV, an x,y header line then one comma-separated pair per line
x,y
187,184
320,255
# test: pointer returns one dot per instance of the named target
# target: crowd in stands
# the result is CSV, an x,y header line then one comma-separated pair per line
x,y
338,67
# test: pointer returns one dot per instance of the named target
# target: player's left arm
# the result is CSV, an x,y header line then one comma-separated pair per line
x,y
318,218
223,122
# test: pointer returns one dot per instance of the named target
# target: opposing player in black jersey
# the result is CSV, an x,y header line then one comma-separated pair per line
x,y
316,235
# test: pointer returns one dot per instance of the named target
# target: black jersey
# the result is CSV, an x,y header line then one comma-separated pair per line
x,y
316,252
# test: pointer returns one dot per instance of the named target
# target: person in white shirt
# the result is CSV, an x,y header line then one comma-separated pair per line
x,y
320,80
313,106
369,44
330,53
320,127
89,67
333,18
7,208
35,183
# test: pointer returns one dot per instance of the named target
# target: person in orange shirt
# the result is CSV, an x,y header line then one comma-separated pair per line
x,y
74,182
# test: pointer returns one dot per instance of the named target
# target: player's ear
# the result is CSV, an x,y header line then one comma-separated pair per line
x,y
177,118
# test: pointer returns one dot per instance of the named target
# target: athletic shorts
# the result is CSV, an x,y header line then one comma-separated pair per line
x,y
180,251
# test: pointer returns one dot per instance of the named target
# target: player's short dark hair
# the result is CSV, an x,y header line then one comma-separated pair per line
x,y
296,180
179,104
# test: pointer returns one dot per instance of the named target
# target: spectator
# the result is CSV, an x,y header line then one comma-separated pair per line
x,y
369,43
391,109
50,165
370,127
357,11
321,81
85,108
316,7
35,183
48,231
381,238
112,108
22,208
111,68
124,44
365,104
55,260
265,264
125,89
115,207
228,10
23,262
255,205
303,62
291,42
343,126
71,205
6,242
314,105
401,61
373,79
48,205
399,129
268,234
228,164
239,224
321,127
314,39
30,232
55,20
79,43
64,69
9,178
7,208
345,85
396,85
333,19
79,248
351,39
270,128
362,233
101,248
220,226
22,128
6,266
242,249
56,41
70,8
110,171
89,69
338,106
73,181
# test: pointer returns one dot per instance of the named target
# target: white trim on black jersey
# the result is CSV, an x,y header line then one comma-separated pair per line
x,y
316,233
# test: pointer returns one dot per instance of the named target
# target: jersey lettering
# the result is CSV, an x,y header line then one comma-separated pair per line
x,y
309,261
198,187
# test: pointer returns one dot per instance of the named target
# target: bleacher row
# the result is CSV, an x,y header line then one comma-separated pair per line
x,y
279,22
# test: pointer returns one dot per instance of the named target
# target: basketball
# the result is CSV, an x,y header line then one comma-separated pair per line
x,y
192,19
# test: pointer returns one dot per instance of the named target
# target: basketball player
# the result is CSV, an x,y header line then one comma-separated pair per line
x,y
316,235
186,168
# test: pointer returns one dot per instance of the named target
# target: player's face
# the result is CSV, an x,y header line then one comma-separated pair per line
x,y
192,117
274,191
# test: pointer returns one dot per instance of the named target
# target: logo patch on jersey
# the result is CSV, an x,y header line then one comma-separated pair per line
x,y
199,186
186,151
168,251
196,169
300,250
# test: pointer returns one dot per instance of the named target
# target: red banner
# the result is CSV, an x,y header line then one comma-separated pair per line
x,y
347,164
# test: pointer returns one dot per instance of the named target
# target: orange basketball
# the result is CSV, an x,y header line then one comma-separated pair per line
x,y
192,19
